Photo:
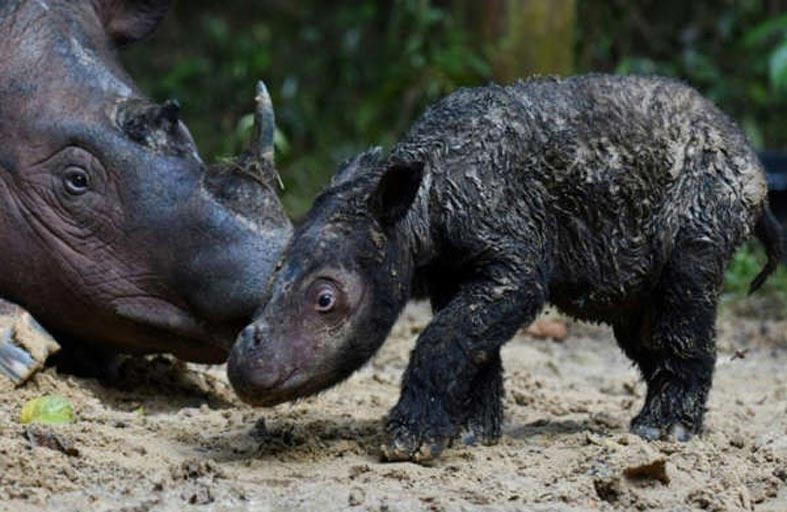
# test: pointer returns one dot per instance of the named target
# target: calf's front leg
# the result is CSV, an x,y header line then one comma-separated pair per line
x,y
460,344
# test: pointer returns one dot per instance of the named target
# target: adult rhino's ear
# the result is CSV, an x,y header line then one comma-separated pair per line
x,y
126,21
395,192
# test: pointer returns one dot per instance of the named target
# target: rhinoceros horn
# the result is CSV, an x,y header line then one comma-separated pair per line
x,y
264,125
261,147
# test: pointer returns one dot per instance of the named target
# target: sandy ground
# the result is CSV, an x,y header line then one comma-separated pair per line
x,y
175,438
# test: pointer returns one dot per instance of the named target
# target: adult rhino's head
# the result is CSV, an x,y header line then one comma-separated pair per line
x,y
112,230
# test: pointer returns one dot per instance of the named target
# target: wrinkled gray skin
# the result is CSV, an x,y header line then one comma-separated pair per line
x,y
617,199
114,234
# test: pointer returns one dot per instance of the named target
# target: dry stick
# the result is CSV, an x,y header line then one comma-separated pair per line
x,y
15,363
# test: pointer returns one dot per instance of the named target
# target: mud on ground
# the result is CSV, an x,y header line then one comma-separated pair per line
x,y
175,438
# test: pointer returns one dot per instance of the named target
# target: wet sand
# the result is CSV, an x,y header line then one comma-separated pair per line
x,y
173,437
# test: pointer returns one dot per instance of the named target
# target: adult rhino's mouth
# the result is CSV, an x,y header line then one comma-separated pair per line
x,y
171,328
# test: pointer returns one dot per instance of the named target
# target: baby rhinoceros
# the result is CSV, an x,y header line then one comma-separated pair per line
x,y
617,199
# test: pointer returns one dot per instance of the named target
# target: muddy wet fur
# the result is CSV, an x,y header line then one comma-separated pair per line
x,y
617,199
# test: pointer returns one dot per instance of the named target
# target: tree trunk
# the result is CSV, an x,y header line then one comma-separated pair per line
x,y
525,37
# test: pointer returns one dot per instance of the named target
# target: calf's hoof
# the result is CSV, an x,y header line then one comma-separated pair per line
x,y
474,433
408,450
417,439
673,432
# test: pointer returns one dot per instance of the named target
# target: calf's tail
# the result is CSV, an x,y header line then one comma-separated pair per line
x,y
769,232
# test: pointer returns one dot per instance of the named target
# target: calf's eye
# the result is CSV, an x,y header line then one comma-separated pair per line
x,y
325,296
326,300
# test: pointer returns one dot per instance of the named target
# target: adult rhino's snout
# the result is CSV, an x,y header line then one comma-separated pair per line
x,y
251,222
230,256
218,231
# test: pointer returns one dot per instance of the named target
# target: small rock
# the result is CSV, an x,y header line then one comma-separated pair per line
x,y
41,437
193,469
608,488
357,497
654,470
547,329
358,470
705,500
737,440
259,432
607,420
202,495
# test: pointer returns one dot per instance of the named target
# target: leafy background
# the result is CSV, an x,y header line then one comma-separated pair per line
x,y
358,72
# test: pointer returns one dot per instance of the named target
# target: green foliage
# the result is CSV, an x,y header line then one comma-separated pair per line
x,y
744,267
778,68
357,73
732,51
742,270
342,78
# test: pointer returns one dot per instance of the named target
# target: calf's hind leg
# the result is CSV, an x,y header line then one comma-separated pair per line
x,y
485,407
673,343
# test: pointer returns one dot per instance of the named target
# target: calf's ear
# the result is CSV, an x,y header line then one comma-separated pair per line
x,y
357,165
126,21
395,192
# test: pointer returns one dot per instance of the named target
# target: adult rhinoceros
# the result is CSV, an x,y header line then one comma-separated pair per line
x,y
113,233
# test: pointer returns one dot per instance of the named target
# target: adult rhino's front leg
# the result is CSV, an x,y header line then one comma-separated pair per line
x,y
24,344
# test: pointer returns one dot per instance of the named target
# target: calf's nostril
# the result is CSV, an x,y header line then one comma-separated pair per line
x,y
249,336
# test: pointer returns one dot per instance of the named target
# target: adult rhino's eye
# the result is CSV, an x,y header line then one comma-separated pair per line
x,y
76,180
